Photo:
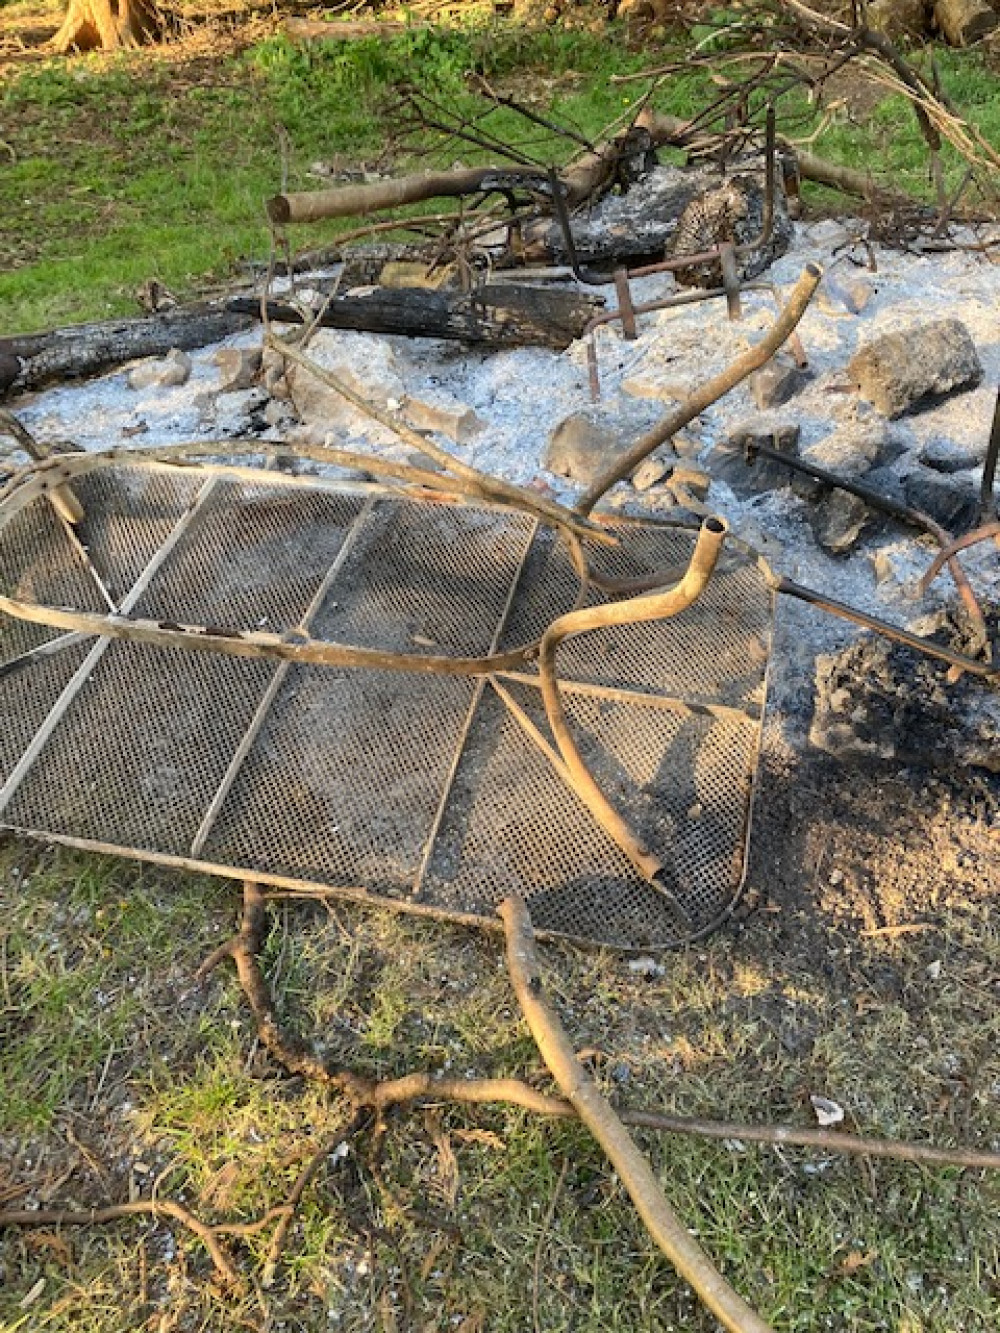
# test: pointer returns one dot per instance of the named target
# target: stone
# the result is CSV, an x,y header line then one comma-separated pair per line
x,y
846,295
849,452
727,459
239,367
162,373
945,455
915,367
953,504
444,416
649,472
585,443
365,364
855,448
777,382
689,482
839,520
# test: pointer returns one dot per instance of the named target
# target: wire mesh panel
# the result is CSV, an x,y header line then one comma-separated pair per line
x,y
441,791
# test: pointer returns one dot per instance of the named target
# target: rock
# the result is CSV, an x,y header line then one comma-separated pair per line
x,y
854,449
951,503
689,482
846,296
444,416
777,382
839,521
910,368
365,364
583,444
881,698
849,452
727,459
162,373
945,455
238,367
649,472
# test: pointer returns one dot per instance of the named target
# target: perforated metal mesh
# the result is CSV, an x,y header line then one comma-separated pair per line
x,y
435,791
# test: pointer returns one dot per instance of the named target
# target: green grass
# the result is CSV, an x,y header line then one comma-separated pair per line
x,y
107,1041
128,168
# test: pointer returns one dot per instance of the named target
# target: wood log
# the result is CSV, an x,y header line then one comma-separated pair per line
x,y
497,315
82,350
965,22
583,180
359,200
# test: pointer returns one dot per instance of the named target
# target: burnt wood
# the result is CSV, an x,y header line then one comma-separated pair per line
x,y
82,350
497,315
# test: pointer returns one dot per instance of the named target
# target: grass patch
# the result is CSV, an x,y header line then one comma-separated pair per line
x,y
131,167
439,1219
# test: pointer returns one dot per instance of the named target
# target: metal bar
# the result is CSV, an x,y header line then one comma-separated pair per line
x,y
39,654
916,518
882,627
668,703
83,672
990,466
277,680
477,694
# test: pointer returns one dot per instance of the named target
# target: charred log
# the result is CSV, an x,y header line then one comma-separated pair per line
x,y
88,349
497,315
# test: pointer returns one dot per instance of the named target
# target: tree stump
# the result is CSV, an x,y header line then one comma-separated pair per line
x,y
109,24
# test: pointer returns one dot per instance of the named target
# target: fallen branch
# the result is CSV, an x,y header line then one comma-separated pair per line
x,y
496,315
32,360
598,1115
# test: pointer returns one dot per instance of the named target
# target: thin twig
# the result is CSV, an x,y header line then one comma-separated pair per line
x,y
114,1212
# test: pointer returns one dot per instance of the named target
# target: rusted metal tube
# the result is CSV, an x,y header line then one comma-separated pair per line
x,y
652,606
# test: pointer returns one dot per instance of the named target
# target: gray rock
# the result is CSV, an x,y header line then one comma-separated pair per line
x,y
839,521
689,483
444,415
914,367
853,450
850,452
951,503
163,373
727,460
777,382
583,444
239,367
649,472
949,456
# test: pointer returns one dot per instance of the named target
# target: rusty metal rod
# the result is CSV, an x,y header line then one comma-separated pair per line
x,y
959,544
990,466
914,641
652,606
915,518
